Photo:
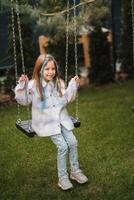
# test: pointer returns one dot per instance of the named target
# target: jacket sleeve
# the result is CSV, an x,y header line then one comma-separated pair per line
x,y
24,92
69,94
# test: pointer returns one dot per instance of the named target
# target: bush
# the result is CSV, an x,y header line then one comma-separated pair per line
x,y
101,68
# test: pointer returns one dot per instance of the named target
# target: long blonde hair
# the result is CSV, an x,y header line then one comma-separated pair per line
x,y
37,74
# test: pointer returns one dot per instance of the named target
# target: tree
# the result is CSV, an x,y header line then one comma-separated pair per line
x,y
95,14
101,68
126,53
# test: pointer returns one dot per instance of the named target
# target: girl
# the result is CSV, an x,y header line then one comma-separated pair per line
x,y
49,115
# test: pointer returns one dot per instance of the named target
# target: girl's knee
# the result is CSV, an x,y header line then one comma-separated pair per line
x,y
73,143
63,148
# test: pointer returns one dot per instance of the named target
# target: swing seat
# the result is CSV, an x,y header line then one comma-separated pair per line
x,y
25,127
76,122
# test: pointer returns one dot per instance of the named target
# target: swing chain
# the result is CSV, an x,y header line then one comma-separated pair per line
x,y
21,51
67,41
20,35
15,57
75,40
76,55
75,49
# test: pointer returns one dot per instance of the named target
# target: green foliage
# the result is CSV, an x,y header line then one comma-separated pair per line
x,y
94,14
101,69
51,5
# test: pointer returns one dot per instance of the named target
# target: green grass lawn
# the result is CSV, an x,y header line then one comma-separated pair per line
x,y
105,143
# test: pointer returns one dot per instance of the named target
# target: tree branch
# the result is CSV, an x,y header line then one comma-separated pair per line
x,y
67,10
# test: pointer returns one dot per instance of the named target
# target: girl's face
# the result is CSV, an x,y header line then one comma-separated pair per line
x,y
49,71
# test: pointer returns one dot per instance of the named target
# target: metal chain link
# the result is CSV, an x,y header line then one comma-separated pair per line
x,y
20,35
132,10
75,40
15,57
67,43
76,56
21,50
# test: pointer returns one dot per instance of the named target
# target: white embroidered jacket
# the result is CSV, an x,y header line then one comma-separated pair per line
x,y
47,115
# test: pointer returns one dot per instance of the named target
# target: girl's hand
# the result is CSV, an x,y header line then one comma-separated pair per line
x,y
23,78
77,80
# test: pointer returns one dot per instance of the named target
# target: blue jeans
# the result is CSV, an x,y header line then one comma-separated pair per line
x,y
64,142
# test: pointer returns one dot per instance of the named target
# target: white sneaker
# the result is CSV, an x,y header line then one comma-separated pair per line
x,y
65,184
79,177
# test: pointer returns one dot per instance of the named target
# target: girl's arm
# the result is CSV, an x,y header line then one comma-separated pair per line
x,y
70,93
23,91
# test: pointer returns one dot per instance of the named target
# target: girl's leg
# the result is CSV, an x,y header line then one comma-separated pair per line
x,y
64,182
73,152
62,150
76,173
